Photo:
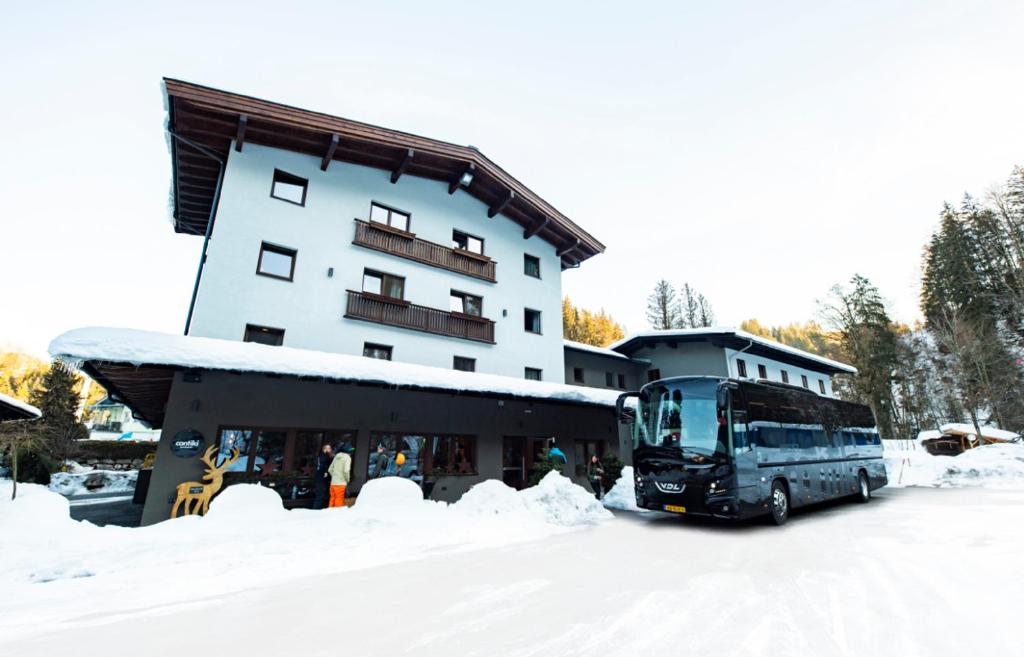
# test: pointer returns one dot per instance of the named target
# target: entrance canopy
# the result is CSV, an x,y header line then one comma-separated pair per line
x,y
138,367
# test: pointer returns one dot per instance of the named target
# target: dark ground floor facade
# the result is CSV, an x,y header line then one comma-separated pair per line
x,y
450,441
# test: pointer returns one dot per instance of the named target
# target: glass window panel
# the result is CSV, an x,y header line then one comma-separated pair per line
x,y
531,266
399,220
372,283
386,465
474,244
379,214
289,191
465,364
394,287
532,374
455,303
231,439
276,263
307,445
269,455
472,305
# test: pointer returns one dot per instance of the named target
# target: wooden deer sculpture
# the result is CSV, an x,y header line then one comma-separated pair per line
x,y
200,493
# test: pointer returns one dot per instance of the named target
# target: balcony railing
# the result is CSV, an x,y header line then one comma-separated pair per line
x,y
394,312
382,237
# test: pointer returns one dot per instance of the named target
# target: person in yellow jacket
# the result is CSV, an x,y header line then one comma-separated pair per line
x,y
340,471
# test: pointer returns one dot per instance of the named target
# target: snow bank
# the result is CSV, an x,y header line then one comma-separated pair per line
x,y
82,481
248,539
909,464
562,502
623,494
34,510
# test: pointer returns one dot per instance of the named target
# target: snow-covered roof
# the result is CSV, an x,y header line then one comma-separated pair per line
x,y
15,409
960,428
603,351
138,348
730,332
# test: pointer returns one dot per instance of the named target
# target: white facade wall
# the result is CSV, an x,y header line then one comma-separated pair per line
x,y
310,308
775,368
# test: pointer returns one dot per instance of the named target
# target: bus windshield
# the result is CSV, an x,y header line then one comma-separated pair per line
x,y
681,415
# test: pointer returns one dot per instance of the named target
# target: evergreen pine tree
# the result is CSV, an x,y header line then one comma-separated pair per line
x,y
662,310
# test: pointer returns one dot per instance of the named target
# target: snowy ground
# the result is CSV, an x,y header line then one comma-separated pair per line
x,y
73,482
920,570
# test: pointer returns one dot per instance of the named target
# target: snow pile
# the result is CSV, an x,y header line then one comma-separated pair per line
x,y
388,495
556,500
623,494
562,502
34,511
243,503
491,497
81,480
996,465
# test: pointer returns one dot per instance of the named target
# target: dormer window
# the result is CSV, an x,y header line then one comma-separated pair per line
x,y
287,187
383,214
467,242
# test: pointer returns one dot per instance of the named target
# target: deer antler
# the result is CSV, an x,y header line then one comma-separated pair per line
x,y
207,458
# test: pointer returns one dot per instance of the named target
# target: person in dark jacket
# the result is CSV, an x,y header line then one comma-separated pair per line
x,y
321,478
595,473
380,462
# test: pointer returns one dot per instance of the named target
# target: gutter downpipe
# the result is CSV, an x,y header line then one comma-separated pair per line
x,y
209,223
750,343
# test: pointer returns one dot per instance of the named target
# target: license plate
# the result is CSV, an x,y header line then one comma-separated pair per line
x,y
675,509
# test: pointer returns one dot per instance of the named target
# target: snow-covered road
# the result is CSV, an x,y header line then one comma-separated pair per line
x,y
917,572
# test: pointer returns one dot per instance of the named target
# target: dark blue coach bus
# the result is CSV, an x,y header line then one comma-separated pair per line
x,y
737,449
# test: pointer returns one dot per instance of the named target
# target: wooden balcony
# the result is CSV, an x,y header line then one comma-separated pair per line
x,y
394,312
382,237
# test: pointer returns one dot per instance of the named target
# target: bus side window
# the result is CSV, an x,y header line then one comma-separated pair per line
x,y
739,430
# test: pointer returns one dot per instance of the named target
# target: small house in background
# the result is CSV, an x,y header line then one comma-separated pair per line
x,y
957,438
112,420
12,409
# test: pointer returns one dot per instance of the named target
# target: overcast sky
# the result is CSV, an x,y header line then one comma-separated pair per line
x,y
760,151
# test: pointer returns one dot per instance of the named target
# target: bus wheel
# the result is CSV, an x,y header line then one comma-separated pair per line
x,y
780,503
863,489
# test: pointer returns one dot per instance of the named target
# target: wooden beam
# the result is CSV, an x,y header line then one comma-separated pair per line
x,y
243,121
572,246
530,232
453,185
329,155
501,205
397,173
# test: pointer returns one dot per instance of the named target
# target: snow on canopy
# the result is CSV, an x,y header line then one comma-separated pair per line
x,y
11,408
603,351
963,429
138,347
743,335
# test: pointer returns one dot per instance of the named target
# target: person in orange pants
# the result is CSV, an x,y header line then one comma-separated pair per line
x,y
341,473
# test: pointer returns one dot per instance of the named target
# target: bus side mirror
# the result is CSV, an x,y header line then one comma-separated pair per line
x,y
722,394
624,414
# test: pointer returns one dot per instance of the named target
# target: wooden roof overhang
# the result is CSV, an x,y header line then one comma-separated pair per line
x,y
215,119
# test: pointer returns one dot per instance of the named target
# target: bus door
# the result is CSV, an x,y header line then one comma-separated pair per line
x,y
744,455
